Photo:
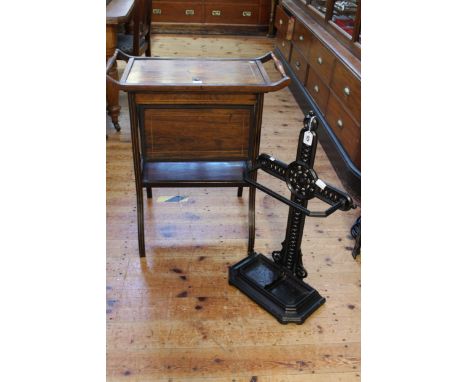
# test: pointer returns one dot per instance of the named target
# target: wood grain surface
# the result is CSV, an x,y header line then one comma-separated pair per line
x,y
172,316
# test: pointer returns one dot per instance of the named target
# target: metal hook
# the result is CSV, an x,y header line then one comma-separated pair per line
x,y
313,120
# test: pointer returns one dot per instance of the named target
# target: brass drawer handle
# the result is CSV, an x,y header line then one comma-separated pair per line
x,y
301,38
340,123
319,60
347,91
283,44
316,88
247,13
216,13
281,22
189,12
157,11
298,65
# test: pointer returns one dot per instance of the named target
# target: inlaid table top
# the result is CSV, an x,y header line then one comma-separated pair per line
x,y
194,74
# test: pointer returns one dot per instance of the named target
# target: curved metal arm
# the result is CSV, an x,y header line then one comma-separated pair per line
x,y
281,198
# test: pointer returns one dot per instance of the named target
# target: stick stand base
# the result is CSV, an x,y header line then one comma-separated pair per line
x,y
287,298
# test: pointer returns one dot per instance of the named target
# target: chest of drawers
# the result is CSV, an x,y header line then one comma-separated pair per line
x,y
211,13
325,77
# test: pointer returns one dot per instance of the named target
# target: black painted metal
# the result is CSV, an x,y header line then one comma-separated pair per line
x,y
349,174
356,233
277,285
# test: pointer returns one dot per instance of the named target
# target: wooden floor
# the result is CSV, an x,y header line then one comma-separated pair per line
x,y
173,316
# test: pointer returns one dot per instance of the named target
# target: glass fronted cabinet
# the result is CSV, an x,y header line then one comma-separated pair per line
x,y
342,18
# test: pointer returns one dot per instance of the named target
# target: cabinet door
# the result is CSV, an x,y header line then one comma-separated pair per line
x,y
215,132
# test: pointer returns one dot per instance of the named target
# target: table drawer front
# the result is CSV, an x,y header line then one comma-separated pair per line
x,y
198,133
178,12
283,23
347,88
317,89
284,46
322,60
348,132
231,14
299,65
302,38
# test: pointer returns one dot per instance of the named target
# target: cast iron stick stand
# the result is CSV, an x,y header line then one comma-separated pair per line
x,y
277,285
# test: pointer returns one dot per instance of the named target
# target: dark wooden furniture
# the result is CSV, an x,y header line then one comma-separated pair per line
x,y
213,16
194,122
323,61
139,41
117,12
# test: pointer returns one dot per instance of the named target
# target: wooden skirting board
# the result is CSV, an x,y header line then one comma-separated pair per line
x,y
163,28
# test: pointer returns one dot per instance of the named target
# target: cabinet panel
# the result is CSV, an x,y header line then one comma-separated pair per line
x,y
299,64
265,11
347,88
178,12
302,38
322,60
348,132
214,133
317,89
231,13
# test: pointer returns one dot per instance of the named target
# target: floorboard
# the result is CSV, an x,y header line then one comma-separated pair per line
x,y
173,316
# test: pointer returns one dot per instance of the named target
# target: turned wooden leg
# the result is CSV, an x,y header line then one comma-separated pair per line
x,y
141,227
250,250
239,191
149,192
112,91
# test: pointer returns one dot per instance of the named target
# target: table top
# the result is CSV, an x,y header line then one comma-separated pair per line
x,y
118,11
196,72
235,75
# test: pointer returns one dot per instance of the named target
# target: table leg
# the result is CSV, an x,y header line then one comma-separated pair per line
x,y
112,91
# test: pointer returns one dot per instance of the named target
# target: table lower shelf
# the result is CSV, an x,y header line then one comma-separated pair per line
x,y
194,174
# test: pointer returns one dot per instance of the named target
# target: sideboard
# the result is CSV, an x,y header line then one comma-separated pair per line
x,y
213,16
322,57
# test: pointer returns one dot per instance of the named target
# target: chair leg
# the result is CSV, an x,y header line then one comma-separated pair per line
x,y
149,192
250,250
140,218
239,191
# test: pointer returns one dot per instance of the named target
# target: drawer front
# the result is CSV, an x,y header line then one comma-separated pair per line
x,y
347,88
299,65
348,132
213,133
317,89
284,46
177,12
322,60
302,38
283,23
231,14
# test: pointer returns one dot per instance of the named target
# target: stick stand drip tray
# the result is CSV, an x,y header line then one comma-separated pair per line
x,y
276,290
